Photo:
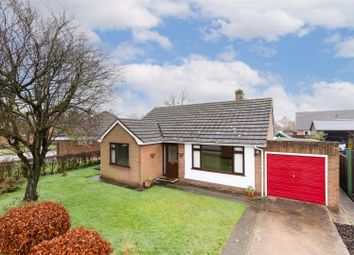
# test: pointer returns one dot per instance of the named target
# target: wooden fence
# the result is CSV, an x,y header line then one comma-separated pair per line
x,y
346,172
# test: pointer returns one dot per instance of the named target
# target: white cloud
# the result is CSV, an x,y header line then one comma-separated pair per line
x,y
236,19
328,96
228,54
205,80
263,50
126,52
345,48
270,24
147,35
171,8
273,18
334,38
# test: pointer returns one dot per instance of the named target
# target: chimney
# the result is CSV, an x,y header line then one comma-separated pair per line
x,y
239,95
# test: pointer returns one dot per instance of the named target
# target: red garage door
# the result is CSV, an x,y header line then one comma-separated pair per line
x,y
296,177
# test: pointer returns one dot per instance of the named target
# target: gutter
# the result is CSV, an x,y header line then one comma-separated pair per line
x,y
262,170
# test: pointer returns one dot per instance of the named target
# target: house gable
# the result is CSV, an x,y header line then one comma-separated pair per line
x,y
120,124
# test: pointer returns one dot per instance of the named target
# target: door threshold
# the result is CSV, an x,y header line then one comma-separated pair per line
x,y
166,179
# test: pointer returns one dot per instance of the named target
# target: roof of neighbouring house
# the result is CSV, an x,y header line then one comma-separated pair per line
x,y
334,125
281,134
101,122
244,122
304,119
93,127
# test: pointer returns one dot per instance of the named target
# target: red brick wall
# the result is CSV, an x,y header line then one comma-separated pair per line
x,y
128,175
72,147
150,161
322,148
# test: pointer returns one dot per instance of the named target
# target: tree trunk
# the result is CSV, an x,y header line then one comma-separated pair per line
x,y
34,171
31,190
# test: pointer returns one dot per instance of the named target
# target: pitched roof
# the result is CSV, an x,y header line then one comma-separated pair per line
x,y
146,130
334,125
304,119
245,122
101,122
91,128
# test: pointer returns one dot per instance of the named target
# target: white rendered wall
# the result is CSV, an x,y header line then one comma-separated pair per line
x,y
225,179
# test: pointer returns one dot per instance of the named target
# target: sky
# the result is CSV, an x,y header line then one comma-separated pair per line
x,y
299,52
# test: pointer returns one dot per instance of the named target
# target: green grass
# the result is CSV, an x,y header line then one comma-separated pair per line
x,y
156,221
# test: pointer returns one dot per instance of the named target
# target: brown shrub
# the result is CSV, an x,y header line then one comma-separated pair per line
x,y
76,241
24,227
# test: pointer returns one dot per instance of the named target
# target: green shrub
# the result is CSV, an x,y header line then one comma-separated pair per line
x,y
10,183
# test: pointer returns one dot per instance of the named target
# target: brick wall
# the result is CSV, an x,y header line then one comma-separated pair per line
x,y
323,148
151,161
127,175
72,147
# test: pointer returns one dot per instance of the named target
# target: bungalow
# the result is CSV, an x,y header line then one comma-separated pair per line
x,y
215,145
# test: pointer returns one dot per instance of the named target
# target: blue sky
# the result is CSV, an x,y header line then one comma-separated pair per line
x,y
301,53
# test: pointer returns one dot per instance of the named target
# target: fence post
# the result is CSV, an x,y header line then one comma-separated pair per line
x,y
349,172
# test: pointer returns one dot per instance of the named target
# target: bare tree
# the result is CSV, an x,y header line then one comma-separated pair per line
x,y
47,71
180,99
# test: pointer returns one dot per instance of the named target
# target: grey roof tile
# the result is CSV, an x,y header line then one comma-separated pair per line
x,y
230,122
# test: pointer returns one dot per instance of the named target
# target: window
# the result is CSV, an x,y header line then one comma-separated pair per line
x,y
119,154
224,159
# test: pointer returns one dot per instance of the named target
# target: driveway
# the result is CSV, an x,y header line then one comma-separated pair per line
x,y
12,157
279,226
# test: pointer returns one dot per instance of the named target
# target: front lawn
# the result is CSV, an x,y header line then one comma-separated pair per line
x,y
155,221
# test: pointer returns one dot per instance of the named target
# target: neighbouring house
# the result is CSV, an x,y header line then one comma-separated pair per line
x,y
226,146
304,119
336,130
85,141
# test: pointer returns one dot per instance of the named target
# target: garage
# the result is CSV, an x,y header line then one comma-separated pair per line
x,y
296,176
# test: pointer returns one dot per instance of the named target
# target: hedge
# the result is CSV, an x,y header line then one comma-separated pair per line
x,y
24,227
77,241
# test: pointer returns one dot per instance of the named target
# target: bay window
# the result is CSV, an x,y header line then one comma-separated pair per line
x,y
223,159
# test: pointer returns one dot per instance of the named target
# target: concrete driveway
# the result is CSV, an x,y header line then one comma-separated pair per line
x,y
279,226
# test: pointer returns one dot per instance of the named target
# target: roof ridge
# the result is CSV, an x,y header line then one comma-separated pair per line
x,y
342,110
216,102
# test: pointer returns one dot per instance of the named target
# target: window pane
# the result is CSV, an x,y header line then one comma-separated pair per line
x,y
113,155
172,154
238,163
196,159
218,160
123,154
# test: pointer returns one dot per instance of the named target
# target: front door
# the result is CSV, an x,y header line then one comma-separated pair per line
x,y
171,160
